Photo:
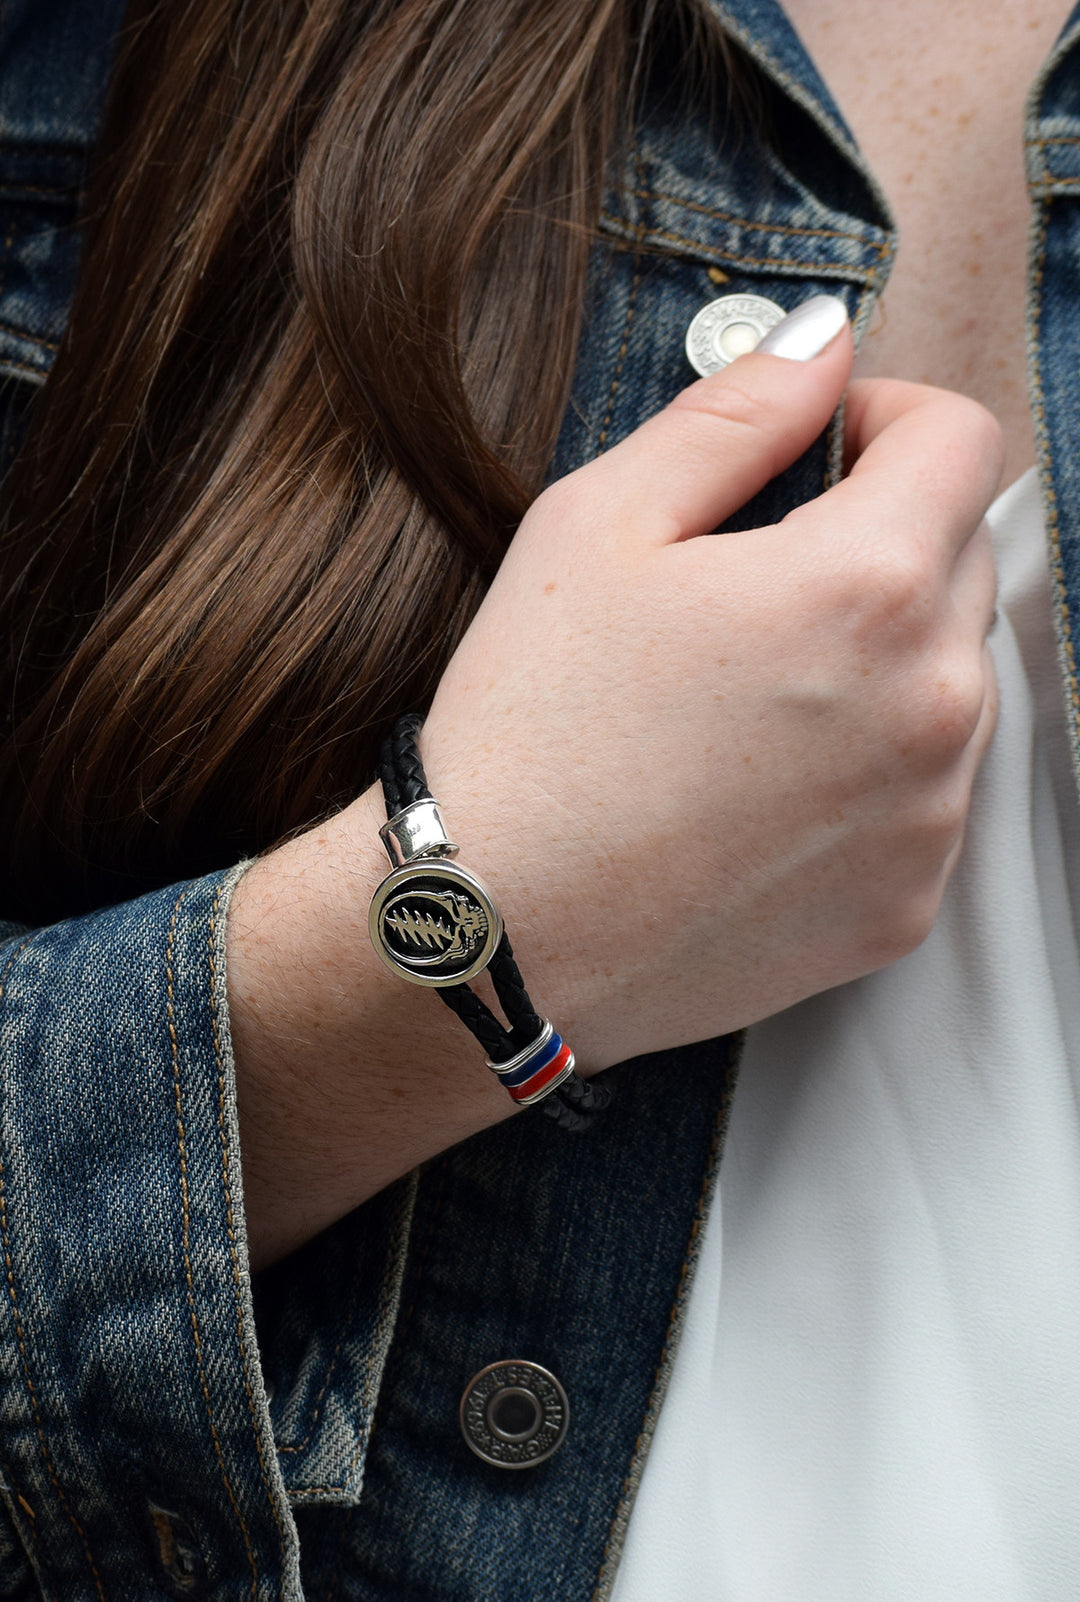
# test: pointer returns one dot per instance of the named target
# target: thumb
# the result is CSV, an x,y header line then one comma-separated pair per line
x,y
720,441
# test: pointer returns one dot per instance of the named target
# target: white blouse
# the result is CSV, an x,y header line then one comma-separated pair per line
x,y
878,1397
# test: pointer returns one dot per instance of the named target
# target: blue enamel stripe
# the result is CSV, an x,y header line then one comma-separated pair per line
x,y
532,1065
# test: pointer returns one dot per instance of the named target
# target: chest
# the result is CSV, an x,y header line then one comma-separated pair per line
x,y
935,97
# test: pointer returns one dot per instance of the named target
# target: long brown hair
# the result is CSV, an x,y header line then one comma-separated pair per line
x,y
321,345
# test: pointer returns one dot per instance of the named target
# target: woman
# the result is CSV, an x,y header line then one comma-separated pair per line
x,y
309,389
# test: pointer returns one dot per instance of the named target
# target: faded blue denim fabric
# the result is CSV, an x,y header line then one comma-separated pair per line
x,y
1053,168
54,60
128,1374
152,1444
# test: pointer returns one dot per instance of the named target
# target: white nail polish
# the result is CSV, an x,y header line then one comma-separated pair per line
x,y
806,331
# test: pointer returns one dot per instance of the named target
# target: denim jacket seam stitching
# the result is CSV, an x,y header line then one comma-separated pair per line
x,y
364,1432
630,308
1039,146
421,1266
676,1301
834,431
23,333
734,1045
229,1223
833,446
31,1520
621,358
851,268
867,288
300,1446
746,222
11,365
20,1336
1054,531
325,1490
1050,181
186,1222
387,1290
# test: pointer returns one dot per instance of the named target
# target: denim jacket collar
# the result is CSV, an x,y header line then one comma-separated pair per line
x,y
771,216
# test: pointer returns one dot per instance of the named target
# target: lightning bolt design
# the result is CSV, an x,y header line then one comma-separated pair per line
x,y
420,929
453,930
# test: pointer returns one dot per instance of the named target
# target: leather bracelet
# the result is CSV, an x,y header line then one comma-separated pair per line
x,y
435,924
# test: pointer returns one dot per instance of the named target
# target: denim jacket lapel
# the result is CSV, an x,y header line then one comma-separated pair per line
x,y
1052,136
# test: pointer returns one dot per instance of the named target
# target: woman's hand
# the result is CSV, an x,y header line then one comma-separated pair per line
x,y
709,776
704,777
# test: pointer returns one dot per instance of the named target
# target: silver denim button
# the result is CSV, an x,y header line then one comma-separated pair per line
x,y
729,327
514,1414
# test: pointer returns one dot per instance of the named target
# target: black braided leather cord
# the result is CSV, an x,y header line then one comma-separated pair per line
x,y
476,1017
525,1022
400,769
573,1104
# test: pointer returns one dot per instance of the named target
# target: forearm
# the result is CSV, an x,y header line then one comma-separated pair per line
x,y
347,1077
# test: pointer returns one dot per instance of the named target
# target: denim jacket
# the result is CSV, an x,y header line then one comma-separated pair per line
x,y
167,1428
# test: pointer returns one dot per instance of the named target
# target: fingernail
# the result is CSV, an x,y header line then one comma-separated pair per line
x,y
804,333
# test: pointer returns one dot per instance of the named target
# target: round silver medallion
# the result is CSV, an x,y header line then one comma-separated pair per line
x,y
729,327
514,1414
433,923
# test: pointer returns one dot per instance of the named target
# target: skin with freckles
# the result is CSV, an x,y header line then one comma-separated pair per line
x,y
808,703
934,95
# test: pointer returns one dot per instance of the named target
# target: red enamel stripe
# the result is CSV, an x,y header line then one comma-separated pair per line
x,y
538,1082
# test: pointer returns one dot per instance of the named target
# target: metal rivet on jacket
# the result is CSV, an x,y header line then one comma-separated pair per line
x,y
729,327
514,1414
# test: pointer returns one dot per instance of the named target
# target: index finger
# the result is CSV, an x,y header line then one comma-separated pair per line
x,y
922,460
707,453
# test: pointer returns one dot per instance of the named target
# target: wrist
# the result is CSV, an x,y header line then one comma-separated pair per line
x,y
546,883
435,924
346,1078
